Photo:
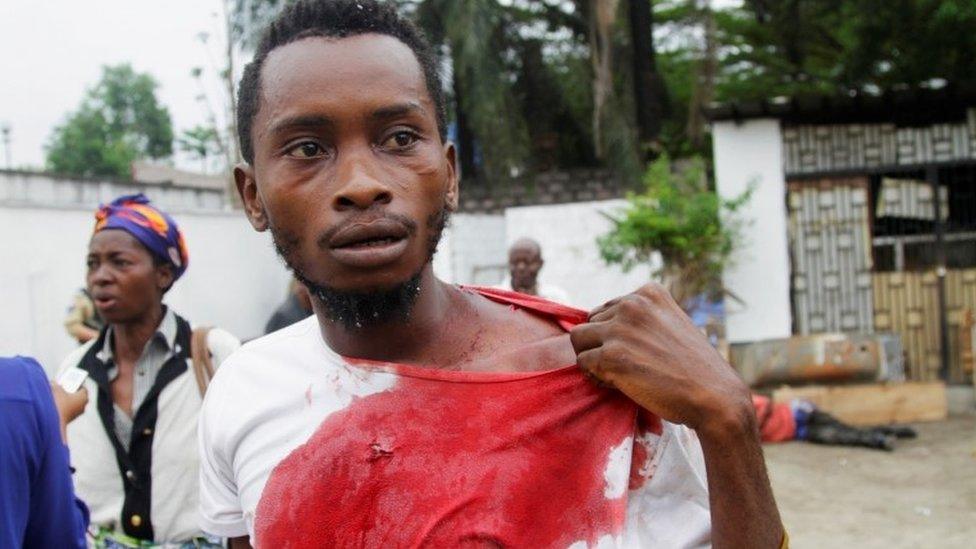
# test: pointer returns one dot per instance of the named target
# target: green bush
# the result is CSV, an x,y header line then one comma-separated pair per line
x,y
695,231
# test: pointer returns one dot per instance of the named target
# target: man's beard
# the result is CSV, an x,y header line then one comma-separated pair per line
x,y
357,310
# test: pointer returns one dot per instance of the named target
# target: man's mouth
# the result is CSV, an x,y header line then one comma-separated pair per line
x,y
371,242
368,245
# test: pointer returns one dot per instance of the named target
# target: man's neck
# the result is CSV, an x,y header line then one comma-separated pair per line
x,y
413,340
129,339
532,289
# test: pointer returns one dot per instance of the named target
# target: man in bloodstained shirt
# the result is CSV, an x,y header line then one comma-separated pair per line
x,y
409,412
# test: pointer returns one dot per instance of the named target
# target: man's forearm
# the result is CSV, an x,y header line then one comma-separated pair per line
x,y
744,513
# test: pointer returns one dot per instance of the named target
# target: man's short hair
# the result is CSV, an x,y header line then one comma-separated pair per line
x,y
333,19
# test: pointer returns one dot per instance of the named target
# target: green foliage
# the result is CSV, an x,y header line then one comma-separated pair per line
x,y
694,231
118,121
249,17
910,41
834,46
201,142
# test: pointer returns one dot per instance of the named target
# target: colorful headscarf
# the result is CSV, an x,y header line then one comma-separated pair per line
x,y
155,229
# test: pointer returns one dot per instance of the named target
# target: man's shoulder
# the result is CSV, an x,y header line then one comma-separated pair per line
x,y
281,353
303,333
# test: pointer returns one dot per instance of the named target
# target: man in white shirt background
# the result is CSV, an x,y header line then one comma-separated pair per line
x,y
524,264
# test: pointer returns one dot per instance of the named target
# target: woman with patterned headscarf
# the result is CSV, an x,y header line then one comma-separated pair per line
x,y
135,447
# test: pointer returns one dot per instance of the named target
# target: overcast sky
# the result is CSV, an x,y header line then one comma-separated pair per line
x,y
51,51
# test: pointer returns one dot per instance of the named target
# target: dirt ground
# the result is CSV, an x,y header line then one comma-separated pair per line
x,y
921,495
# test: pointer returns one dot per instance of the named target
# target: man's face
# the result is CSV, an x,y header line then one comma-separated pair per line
x,y
524,264
349,171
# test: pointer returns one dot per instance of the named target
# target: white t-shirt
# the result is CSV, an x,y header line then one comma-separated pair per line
x,y
303,447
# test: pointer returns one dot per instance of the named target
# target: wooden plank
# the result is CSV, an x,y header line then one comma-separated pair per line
x,y
874,404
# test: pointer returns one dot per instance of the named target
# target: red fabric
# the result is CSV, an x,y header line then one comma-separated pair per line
x,y
459,459
776,421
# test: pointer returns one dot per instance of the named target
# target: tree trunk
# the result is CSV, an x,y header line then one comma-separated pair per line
x,y
464,136
704,86
675,278
232,149
650,93
603,13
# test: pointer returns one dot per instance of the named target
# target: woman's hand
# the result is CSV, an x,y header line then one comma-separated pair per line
x,y
69,405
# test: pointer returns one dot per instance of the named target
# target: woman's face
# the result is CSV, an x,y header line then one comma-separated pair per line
x,y
124,281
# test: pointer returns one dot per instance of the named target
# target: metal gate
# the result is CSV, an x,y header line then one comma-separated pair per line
x,y
925,262
892,250
830,245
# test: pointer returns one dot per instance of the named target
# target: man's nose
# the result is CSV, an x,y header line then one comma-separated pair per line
x,y
360,185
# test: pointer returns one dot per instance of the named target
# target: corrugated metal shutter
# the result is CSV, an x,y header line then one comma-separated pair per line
x,y
830,245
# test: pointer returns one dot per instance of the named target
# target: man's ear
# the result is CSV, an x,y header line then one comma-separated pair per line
x,y
453,177
247,189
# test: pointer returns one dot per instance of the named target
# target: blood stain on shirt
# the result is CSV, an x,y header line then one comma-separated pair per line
x,y
519,463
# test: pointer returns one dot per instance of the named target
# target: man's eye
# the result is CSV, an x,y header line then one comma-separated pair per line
x,y
306,150
401,139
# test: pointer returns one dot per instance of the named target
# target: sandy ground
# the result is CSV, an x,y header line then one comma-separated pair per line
x,y
921,495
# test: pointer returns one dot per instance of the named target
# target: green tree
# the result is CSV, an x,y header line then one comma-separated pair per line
x,y
790,47
910,41
119,120
201,142
695,232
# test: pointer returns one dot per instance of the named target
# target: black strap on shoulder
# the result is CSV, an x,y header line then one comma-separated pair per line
x,y
135,466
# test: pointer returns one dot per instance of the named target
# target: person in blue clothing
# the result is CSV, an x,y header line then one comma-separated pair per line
x,y
38,507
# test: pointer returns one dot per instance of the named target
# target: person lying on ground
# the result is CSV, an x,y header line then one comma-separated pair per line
x,y
801,420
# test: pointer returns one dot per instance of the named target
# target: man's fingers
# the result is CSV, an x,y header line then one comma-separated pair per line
x,y
587,336
602,315
589,362
603,308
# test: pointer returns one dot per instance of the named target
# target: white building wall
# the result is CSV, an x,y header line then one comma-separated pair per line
x,y
234,280
472,250
745,153
33,189
567,234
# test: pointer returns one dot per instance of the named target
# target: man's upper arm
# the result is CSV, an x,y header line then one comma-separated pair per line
x,y
220,508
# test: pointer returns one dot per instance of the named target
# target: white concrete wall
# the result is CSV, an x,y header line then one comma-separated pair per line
x,y
752,152
567,234
472,250
44,190
234,280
